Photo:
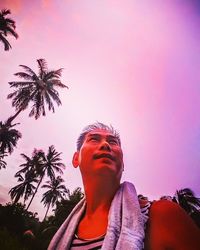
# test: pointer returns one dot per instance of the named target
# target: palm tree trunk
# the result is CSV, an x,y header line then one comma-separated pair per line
x,y
14,116
18,112
47,211
35,191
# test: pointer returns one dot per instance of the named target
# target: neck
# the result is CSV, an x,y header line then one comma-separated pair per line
x,y
99,194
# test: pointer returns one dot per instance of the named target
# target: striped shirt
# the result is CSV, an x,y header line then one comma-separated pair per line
x,y
96,243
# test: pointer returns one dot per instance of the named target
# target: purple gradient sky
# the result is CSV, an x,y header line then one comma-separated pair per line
x,y
133,64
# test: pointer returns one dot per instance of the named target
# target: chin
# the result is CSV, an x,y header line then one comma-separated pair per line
x,y
107,170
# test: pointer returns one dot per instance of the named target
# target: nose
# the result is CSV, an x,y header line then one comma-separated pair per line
x,y
105,146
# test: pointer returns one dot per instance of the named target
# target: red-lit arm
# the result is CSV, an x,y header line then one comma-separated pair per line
x,y
169,227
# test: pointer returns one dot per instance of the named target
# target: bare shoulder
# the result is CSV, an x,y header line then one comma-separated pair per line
x,y
165,209
170,227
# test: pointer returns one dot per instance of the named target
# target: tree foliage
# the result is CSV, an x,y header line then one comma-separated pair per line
x,y
33,171
64,207
7,27
56,191
25,188
39,90
8,137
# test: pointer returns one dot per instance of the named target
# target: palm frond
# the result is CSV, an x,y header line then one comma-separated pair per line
x,y
3,163
5,42
20,84
5,12
55,96
11,31
57,83
24,75
49,102
42,64
30,71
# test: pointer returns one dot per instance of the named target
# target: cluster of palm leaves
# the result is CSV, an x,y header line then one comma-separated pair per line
x,y
8,137
7,27
32,173
37,90
8,140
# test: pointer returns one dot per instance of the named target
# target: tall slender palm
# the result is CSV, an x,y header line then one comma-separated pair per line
x,y
7,27
28,175
8,137
32,164
25,188
37,90
57,191
2,162
187,200
51,163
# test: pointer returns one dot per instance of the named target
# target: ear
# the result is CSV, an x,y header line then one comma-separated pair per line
x,y
75,160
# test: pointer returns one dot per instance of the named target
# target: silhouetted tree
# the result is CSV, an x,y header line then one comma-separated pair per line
x,y
15,223
33,164
25,188
76,195
8,137
16,219
57,191
39,90
64,207
7,27
50,164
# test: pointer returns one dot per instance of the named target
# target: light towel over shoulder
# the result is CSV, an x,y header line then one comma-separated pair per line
x,y
125,229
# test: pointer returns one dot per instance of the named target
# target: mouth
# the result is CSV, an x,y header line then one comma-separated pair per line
x,y
99,156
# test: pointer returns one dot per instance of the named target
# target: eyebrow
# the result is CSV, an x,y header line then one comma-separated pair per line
x,y
89,135
99,135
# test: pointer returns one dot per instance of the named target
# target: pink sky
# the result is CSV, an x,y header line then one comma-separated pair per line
x,y
130,63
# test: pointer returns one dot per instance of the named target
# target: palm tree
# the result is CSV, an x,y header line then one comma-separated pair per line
x,y
187,200
32,164
76,195
7,27
64,207
25,188
56,192
39,90
2,162
8,137
30,171
50,164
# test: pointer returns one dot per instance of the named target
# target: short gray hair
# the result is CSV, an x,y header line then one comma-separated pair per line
x,y
96,126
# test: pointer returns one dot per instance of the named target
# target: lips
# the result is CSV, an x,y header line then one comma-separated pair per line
x,y
99,156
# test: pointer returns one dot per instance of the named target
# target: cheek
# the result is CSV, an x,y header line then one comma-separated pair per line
x,y
84,155
120,155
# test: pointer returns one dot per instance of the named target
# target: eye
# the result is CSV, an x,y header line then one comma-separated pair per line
x,y
113,142
93,139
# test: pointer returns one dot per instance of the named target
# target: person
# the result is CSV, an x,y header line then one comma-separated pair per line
x,y
110,216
